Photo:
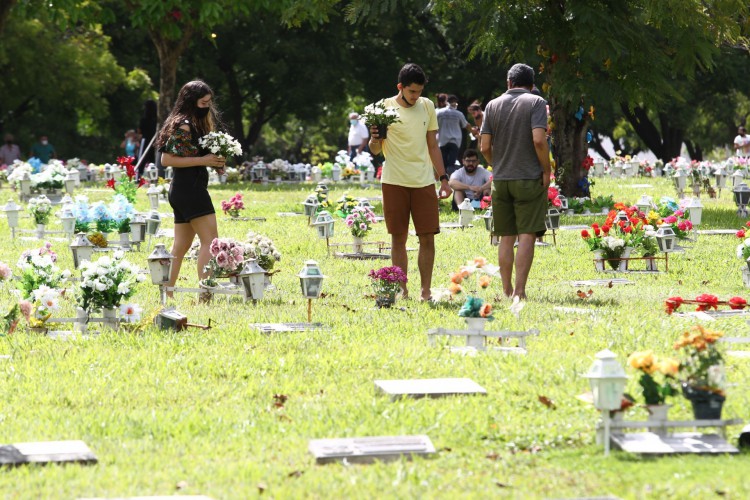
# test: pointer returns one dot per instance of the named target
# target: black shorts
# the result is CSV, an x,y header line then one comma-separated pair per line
x,y
189,202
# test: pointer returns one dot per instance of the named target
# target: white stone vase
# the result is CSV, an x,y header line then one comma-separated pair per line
x,y
476,324
357,244
599,260
651,264
40,231
623,266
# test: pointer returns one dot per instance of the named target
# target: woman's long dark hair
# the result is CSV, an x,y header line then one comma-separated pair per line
x,y
185,109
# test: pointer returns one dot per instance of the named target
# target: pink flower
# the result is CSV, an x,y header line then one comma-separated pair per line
x,y
349,222
25,307
222,258
5,271
682,226
670,220
363,226
679,213
689,224
214,248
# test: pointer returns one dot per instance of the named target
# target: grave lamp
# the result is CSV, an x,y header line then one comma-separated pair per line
x,y
68,221
153,196
311,279
644,204
617,169
311,205
83,173
607,380
563,202
316,174
152,173
11,212
364,203
680,179
623,217
160,265
109,172
465,213
737,177
169,173
138,228
82,249
741,198
26,184
322,187
152,223
695,207
488,219
324,224
253,278
666,238
66,200
71,181
721,178
259,171
369,173
552,221
336,172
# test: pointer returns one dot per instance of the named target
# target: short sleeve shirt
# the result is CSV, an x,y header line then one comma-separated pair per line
x,y
509,119
481,177
407,158
452,123
743,145
358,133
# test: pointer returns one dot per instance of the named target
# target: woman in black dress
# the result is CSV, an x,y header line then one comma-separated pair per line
x,y
192,117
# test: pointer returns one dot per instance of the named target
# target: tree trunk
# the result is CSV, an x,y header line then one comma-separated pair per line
x,y
256,125
569,137
5,6
169,52
234,107
694,150
665,142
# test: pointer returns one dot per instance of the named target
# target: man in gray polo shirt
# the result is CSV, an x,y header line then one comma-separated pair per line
x,y
514,141
451,123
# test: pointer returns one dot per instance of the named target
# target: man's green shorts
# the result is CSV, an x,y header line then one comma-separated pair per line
x,y
519,207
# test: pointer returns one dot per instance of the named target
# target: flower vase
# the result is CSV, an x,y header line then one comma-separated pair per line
x,y
707,405
598,260
40,231
109,314
658,413
476,324
651,264
357,244
125,239
386,300
623,265
746,277
382,131
235,279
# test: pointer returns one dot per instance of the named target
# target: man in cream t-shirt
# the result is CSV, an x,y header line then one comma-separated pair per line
x,y
742,143
413,161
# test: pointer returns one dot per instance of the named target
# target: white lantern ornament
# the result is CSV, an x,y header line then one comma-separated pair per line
x,y
253,278
11,212
465,213
82,249
666,239
160,265
324,224
695,208
607,379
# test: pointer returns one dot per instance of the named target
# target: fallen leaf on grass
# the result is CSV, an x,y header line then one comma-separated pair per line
x,y
679,282
705,282
584,295
279,400
547,402
610,285
262,487
502,485
492,455
572,333
284,418
297,473
446,449
348,308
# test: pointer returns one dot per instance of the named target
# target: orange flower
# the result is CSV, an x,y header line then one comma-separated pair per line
x,y
485,311
465,271
480,262
455,288
484,281
456,278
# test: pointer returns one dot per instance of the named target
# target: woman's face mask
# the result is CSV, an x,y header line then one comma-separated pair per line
x,y
202,112
353,122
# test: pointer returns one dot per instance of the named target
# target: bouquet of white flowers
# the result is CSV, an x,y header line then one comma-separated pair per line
x,y
378,115
106,282
262,249
40,208
38,268
221,144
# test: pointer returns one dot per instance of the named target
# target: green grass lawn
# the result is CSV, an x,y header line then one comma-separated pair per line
x,y
194,412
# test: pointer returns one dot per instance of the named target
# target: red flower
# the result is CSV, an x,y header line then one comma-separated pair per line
x,y
673,303
552,193
737,303
628,229
747,223
585,234
597,231
605,229
141,182
741,233
111,183
706,302
594,225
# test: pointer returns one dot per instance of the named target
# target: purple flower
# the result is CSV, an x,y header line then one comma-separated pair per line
x,y
222,258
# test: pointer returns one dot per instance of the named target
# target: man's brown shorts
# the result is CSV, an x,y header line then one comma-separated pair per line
x,y
421,203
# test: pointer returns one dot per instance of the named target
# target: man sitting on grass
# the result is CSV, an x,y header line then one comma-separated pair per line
x,y
471,181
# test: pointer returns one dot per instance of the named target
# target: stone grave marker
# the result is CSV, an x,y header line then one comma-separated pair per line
x,y
46,452
575,227
369,449
640,186
711,232
649,443
288,214
431,388
613,281
286,327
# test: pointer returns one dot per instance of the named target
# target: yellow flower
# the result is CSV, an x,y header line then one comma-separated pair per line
x,y
643,360
669,366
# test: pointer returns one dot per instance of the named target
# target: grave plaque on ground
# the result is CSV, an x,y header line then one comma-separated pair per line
x,y
369,449
710,232
431,388
286,327
46,452
608,283
649,443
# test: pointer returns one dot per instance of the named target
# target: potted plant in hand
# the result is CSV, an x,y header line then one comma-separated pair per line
x,y
655,392
387,283
380,116
702,371
359,222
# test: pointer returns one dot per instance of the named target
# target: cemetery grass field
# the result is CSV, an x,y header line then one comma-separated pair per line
x,y
228,413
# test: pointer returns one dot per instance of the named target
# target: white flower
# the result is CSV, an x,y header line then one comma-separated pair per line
x,y
100,287
130,313
123,289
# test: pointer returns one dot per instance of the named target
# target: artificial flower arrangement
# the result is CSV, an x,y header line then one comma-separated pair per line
x,y
278,168
345,205
658,376
130,313
262,249
221,144
52,177
743,249
553,197
20,169
379,115
234,206
227,257
360,221
474,306
669,212
363,160
598,203
45,301
701,367
387,282
704,302
107,282
5,272
38,268
127,185
40,209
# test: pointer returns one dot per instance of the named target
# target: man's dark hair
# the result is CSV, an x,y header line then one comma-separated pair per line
x,y
470,152
411,73
474,106
441,98
521,75
452,98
